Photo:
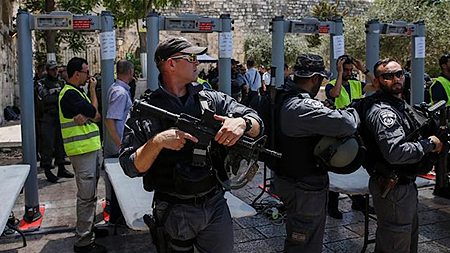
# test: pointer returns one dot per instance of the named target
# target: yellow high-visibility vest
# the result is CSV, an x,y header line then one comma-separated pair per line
x,y
344,99
446,84
78,139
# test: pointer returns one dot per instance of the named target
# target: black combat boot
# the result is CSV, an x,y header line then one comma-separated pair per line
x,y
63,172
50,176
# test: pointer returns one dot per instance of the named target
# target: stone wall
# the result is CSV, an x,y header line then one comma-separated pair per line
x,y
250,15
9,89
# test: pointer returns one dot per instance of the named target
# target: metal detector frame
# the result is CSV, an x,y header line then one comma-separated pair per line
x,y
26,22
186,23
280,27
375,28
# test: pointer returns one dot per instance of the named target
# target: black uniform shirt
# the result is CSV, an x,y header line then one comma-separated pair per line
x,y
390,127
135,135
73,104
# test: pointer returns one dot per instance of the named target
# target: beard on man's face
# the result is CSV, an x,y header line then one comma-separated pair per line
x,y
393,89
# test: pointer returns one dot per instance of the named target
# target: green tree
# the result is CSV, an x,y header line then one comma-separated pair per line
x,y
435,14
324,11
128,12
258,46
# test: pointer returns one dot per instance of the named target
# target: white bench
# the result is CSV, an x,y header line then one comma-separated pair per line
x,y
12,179
357,183
134,201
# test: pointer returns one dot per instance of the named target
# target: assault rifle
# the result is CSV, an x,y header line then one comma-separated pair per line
x,y
205,129
430,112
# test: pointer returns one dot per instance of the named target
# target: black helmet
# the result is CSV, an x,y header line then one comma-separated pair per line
x,y
340,155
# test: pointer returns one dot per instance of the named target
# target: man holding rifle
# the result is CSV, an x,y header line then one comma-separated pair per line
x,y
189,207
397,154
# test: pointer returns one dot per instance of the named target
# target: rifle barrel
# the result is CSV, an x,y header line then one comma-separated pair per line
x,y
156,111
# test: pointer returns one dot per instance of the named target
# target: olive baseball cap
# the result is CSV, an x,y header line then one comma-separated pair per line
x,y
169,47
308,65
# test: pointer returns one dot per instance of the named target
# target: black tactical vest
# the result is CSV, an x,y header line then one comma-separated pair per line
x,y
172,171
375,163
298,158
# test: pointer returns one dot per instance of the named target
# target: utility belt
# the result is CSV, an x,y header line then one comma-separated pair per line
x,y
159,196
389,183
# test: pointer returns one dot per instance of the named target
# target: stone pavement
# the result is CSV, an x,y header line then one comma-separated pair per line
x,y
252,234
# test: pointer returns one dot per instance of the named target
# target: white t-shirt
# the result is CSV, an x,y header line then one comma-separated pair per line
x,y
266,78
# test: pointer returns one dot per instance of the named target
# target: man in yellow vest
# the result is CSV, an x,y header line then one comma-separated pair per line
x,y
344,88
440,88
342,91
78,114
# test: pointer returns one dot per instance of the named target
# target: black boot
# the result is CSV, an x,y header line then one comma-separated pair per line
x,y
333,202
442,192
50,176
63,172
91,248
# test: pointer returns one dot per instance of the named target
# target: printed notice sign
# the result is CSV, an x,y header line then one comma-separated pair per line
x,y
108,45
420,47
338,46
225,45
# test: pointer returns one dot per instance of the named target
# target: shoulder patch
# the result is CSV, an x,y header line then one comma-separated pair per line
x,y
388,118
312,103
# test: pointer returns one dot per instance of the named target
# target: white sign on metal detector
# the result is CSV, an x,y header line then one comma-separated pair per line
x,y
54,21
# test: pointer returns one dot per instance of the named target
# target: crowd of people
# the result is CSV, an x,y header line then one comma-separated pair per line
x,y
189,208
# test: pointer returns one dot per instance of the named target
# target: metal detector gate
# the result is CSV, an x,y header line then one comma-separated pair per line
x,y
280,27
27,22
191,23
416,31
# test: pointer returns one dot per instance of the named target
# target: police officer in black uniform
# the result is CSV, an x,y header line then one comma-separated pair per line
x,y
50,127
300,182
394,162
188,199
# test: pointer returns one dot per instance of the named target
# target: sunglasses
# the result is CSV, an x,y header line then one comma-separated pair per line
x,y
190,57
86,72
390,76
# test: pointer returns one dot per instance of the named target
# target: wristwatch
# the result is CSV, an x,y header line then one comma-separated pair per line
x,y
367,71
248,124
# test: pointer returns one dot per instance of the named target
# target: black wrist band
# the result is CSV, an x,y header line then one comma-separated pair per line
x,y
248,124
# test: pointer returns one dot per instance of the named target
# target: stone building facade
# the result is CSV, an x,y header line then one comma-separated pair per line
x,y
9,88
248,16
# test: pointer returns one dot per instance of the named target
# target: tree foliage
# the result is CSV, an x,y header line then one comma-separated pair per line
x,y
75,40
128,12
324,11
435,14
258,46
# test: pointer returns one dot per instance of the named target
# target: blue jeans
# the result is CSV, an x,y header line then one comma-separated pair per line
x,y
306,204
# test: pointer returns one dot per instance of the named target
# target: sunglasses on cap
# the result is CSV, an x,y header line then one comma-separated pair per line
x,y
188,57
390,76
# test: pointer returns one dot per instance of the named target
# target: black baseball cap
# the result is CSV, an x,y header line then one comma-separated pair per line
x,y
169,47
444,59
307,65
